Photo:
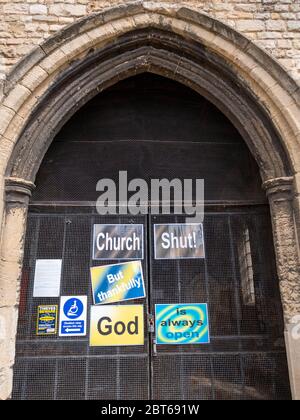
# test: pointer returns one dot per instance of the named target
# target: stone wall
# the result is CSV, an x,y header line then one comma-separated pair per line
x,y
272,24
25,137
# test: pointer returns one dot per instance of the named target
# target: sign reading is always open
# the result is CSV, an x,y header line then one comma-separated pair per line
x,y
182,324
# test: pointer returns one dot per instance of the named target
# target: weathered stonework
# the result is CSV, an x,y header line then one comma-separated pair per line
x,y
271,24
66,70
17,199
280,194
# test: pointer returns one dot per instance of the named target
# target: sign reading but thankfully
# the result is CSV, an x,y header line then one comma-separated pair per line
x,y
117,325
118,242
117,282
182,324
179,241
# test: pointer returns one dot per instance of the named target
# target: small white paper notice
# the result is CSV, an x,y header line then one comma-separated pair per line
x,y
47,278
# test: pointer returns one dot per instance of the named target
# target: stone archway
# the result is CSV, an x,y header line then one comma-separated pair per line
x,y
57,78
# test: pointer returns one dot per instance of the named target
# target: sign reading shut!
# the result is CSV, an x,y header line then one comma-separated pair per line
x,y
179,241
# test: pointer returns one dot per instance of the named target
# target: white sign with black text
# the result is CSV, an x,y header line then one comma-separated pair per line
x,y
47,278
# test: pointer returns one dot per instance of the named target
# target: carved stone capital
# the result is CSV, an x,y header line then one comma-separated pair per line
x,y
18,190
279,189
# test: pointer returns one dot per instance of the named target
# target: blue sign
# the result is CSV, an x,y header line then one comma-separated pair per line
x,y
73,308
72,328
117,282
73,315
182,324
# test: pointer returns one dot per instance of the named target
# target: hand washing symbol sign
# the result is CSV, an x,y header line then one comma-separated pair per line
x,y
73,308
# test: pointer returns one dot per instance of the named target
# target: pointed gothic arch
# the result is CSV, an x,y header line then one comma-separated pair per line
x,y
48,86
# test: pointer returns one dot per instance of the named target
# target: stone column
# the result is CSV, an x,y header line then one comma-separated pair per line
x,y
280,192
18,192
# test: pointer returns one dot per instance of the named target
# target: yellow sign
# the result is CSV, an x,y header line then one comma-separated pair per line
x,y
117,325
47,320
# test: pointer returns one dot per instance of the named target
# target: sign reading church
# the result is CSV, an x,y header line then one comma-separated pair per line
x,y
118,242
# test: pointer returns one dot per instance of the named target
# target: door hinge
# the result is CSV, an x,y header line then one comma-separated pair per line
x,y
154,347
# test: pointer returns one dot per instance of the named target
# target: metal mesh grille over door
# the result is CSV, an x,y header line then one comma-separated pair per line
x,y
67,368
246,357
154,128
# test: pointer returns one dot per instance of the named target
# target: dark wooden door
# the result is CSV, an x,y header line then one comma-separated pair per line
x,y
154,128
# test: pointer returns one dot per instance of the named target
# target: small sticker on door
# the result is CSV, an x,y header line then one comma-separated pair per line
x,y
47,320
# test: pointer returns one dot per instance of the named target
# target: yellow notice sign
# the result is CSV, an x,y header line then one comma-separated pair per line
x,y
117,325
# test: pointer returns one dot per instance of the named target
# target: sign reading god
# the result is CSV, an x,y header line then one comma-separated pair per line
x,y
117,282
118,242
179,241
182,324
117,325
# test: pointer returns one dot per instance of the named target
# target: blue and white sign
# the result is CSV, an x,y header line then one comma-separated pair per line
x,y
182,324
73,316
118,282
